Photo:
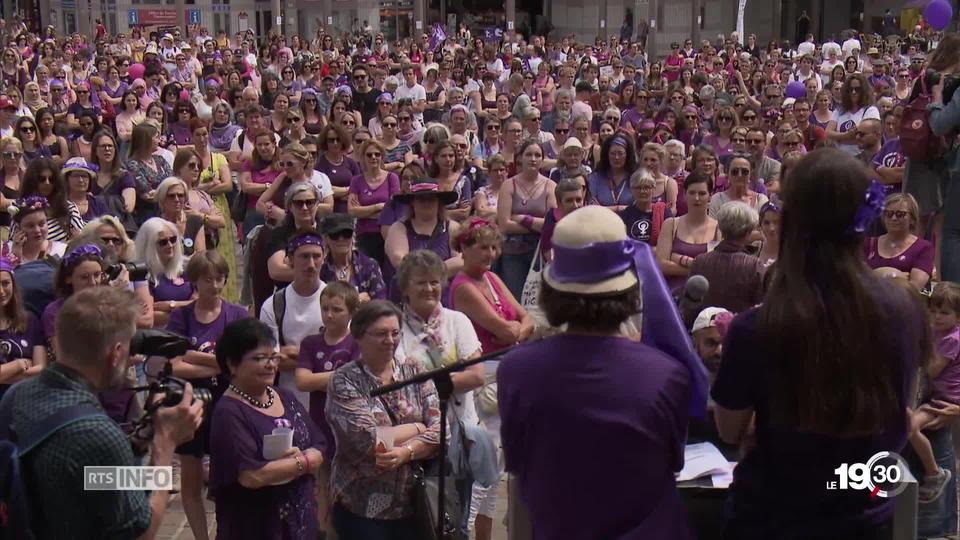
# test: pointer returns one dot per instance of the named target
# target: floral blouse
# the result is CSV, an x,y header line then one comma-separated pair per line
x,y
365,275
145,177
354,416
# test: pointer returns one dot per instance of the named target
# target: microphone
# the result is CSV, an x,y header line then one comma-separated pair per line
x,y
691,299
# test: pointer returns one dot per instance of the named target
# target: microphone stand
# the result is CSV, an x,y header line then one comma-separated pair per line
x,y
441,379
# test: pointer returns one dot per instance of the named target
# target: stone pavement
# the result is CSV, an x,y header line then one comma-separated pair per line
x,y
175,525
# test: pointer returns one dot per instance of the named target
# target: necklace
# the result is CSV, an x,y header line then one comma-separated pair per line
x,y
616,196
252,400
525,194
342,272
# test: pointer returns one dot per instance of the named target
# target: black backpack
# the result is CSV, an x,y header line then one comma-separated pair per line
x,y
14,507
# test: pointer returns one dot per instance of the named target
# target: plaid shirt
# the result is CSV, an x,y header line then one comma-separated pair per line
x,y
53,471
735,276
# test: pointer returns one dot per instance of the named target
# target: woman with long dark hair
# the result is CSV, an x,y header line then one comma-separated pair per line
x,y
804,368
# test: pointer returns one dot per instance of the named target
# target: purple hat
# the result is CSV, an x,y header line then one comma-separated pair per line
x,y
5,265
344,89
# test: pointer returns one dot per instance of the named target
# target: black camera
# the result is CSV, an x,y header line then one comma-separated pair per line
x,y
172,390
153,342
137,271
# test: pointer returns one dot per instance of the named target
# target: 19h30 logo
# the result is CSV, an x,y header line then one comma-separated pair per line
x,y
883,475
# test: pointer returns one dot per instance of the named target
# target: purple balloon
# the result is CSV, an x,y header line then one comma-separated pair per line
x,y
796,90
938,13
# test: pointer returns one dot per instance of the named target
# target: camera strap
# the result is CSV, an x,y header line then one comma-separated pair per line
x,y
31,438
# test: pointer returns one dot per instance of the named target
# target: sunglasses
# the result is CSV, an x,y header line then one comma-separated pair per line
x,y
389,125
341,235
405,118
749,117
294,120
168,241
193,166
176,195
79,92
288,163
349,123
739,172
303,203
28,129
856,89
898,214
373,155
112,240
11,155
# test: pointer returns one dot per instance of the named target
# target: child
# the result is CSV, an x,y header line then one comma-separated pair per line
x,y
320,355
944,376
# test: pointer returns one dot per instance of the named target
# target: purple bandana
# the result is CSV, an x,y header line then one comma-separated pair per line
x,y
86,249
662,326
870,209
303,240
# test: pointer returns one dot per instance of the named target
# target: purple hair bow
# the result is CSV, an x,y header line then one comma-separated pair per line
x,y
86,249
870,209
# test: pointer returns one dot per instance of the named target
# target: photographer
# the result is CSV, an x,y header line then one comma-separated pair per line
x,y
93,335
931,192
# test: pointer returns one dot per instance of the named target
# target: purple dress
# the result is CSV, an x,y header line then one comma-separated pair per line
x,y
623,411
236,444
760,506
919,255
320,357
367,196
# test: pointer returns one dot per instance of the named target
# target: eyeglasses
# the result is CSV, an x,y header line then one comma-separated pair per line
x,y
404,118
755,141
515,131
898,214
856,89
739,172
373,155
303,203
79,92
11,155
492,127
535,119
106,147
193,166
46,179
384,334
265,359
333,140
348,123
309,100
341,235
389,125
791,144
289,163
176,196
749,117
28,129
168,241
294,120
112,240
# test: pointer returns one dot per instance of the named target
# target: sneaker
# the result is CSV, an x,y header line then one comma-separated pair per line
x,y
933,486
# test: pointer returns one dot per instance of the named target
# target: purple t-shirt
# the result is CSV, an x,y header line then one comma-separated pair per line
x,y
203,336
115,188
340,176
618,405
14,345
919,255
367,197
236,444
890,155
49,319
320,357
806,461
264,176
947,384
178,290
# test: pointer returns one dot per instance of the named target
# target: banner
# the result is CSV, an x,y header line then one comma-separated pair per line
x,y
438,36
740,9
492,34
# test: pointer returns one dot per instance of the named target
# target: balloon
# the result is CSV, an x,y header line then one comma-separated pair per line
x,y
938,13
796,90
184,95
136,71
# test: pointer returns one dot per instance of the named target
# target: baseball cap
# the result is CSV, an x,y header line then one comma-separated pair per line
x,y
707,318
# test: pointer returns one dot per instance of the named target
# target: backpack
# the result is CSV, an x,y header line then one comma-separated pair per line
x,y
279,309
14,507
917,141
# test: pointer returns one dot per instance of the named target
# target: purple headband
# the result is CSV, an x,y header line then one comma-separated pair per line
x,y
619,140
86,249
662,327
870,209
303,240
5,265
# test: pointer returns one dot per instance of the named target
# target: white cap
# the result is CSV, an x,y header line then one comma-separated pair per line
x,y
706,318
572,142
789,101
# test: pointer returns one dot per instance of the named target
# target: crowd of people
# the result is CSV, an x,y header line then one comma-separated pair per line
x,y
320,217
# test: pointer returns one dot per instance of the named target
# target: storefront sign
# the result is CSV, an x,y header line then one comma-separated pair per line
x,y
158,16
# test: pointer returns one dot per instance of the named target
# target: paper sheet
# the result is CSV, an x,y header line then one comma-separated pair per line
x,y
702,459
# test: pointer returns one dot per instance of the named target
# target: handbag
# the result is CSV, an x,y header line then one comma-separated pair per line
x,y
426,495
530,297
238,208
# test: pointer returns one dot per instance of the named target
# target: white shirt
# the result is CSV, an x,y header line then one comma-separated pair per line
x,y
322,183
247,151
807,47
415,93
301,318
803,78
848,121
459,342
849,45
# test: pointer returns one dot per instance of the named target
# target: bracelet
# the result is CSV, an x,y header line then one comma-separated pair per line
x,y
306,461
410,448
26,365
299,463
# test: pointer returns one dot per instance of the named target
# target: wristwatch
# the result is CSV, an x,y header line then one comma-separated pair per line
x,y
410,449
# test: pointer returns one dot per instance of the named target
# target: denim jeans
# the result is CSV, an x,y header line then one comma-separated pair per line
x,y
939,518
950,240
350,526
514,268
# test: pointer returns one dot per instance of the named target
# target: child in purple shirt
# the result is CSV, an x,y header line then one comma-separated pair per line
x,y
944,376
320,355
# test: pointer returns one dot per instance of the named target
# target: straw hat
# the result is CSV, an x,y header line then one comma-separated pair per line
x,y
589,225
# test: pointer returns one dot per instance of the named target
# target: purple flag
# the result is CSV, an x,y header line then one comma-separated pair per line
x,y
438,37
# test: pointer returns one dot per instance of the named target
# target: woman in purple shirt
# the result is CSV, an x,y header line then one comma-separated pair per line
x,y
158,246
900,253
203,323
803,379
369,194
333,143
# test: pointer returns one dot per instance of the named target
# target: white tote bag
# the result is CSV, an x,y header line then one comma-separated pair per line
x,y
530,298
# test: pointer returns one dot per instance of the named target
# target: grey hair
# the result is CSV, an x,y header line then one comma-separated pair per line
x,y
708,92
612,110
417,262
146,249
642,177
438,132
370,313
567,185
676,144
736,220
563,92
168,183
298,188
